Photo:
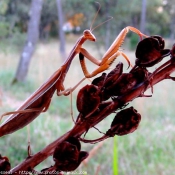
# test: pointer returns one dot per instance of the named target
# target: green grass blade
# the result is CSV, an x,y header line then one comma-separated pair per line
x,y
115,156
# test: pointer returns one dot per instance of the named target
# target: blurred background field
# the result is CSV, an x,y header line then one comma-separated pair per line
x,y
150,149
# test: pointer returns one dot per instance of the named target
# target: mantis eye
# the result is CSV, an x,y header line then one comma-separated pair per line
x,y
86,32
88,35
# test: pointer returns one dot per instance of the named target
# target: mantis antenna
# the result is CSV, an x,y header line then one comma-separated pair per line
x,y
110,17
99,7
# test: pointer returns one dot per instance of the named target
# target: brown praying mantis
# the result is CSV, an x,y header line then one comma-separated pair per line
x,y
40,100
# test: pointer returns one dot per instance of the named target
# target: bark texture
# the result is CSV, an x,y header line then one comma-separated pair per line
x,y
32,38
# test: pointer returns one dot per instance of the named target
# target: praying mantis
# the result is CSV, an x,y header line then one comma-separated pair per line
x,y
40,100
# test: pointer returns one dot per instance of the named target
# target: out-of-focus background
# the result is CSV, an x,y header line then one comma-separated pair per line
x,y
36,36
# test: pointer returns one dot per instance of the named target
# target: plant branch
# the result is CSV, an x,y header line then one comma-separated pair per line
x,y
82,126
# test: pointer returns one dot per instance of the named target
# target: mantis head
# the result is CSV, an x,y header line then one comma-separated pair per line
x,y
88,35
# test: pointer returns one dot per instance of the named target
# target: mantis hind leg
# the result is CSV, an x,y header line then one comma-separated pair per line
x,y
41,109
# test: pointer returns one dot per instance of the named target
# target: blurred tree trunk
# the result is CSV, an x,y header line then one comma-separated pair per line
x,y
32,38
143,17
60,30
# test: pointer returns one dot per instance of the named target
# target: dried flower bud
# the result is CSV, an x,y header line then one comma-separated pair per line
x,y
140,74
124,83
88,99
4,164
110,81
67,155
125,122
99,81
150,51
173,52
114,74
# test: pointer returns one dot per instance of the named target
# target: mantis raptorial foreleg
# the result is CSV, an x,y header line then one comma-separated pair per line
x,y
111,54
101,68
41,109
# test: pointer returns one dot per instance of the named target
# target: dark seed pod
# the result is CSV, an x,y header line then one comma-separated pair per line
x,y
140,74
110,81
161,41
74,141
105,81
67,155
150,51
99,81
124,83
113,76
116,72
125,122
173,52
88,99
4,164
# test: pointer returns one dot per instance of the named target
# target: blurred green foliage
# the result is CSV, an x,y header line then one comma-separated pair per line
x,y
150,150
4,29
133,41
14,16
